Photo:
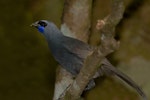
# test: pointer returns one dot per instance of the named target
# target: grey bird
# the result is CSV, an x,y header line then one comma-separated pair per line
x,y
70,53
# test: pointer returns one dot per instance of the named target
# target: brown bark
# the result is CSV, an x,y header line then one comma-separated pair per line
x,y
76,21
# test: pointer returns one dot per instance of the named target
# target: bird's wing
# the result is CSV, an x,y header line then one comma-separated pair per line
x,y
77,47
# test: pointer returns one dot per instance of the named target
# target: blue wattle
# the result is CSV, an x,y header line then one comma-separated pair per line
x,y
41,29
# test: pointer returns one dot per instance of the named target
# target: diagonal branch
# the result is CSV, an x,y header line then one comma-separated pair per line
x,y
93,61
73,23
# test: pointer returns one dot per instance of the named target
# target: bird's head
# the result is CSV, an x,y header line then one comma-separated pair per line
x,y
47,28
41,25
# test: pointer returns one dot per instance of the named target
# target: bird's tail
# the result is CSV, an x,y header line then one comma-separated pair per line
x,y
108,68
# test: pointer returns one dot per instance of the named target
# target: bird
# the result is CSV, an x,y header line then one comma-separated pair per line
x,y
71,53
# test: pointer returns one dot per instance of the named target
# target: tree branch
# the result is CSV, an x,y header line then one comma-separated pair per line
x,y
108,44
76,21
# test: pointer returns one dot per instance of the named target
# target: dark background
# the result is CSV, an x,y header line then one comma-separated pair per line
x,y
27,69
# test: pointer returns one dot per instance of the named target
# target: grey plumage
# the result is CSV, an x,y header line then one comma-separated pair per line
x,y
70,53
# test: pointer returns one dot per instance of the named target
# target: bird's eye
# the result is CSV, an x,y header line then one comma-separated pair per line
x,y
42,23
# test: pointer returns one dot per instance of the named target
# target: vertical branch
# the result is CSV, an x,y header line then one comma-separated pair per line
x,y
76,22
76,19
63,81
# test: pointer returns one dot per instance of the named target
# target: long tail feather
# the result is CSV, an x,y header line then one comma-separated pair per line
x,y
108,68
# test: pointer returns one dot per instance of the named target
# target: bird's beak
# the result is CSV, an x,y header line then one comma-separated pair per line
x,y
35,24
